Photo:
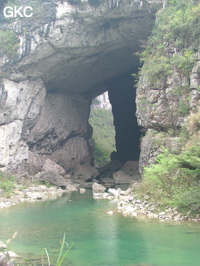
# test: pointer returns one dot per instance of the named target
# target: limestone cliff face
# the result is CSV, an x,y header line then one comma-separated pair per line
x,y
61,130
102,101
20,105
165,100
58,62
158,104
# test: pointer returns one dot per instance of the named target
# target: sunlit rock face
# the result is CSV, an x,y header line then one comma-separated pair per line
x,y
63,62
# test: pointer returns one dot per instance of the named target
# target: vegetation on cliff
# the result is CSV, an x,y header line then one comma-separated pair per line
x,y
8,42
103,134
175,178
173,47
173,42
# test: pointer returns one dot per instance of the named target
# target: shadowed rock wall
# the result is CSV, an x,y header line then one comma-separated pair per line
x,y
61,130
122,97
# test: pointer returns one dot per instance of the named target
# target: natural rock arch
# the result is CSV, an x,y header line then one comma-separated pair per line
x,y
62,65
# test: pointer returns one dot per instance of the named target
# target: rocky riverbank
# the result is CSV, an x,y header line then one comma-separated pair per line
x,y
129,205
127,201
34,193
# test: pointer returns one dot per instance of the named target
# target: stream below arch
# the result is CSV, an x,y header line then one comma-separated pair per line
x,y
98,238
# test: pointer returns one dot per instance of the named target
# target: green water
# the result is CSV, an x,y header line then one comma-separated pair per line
x,y
99,238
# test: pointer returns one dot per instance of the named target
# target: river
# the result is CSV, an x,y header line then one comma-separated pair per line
x,y
97,237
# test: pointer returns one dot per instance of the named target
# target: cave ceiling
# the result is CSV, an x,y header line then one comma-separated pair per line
x,y
83,51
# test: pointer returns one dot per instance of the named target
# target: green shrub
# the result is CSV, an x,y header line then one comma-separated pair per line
x,y
189,160
172,44
6,184
173,178
183,107
191,198
8,42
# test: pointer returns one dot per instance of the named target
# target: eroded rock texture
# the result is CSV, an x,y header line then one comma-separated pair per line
x,y
61,130
162,107
20,105
64,59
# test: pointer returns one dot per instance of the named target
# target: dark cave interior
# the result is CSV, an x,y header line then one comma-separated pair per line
x,y
122,94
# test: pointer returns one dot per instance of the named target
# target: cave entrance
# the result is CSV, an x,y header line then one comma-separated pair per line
x,y
122,94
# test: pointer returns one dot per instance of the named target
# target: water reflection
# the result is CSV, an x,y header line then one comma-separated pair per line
x,y
99,239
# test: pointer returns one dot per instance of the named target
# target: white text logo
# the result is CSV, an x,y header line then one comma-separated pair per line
x,y
14,12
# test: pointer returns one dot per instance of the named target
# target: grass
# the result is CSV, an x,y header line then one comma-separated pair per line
x,y
61,256
7,184
60,260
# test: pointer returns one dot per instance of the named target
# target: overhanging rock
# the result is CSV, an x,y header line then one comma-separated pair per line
x,y
63,61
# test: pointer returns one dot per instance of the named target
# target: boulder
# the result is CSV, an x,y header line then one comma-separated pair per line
x,y
85,172
128,174
2,245
54,179
130,211
97,188
114,192
107,182
72,187
121,178
98,196
126,192
162,213
35,162
110,167
50,165
82,190
131,168
105,195
12,254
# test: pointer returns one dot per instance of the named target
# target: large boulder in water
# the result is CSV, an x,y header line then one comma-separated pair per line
x,y
97,188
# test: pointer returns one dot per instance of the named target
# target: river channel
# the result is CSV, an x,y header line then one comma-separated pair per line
x,y
97,237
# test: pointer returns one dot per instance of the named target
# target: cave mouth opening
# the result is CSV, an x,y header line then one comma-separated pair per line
x,y
122,96
103,137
